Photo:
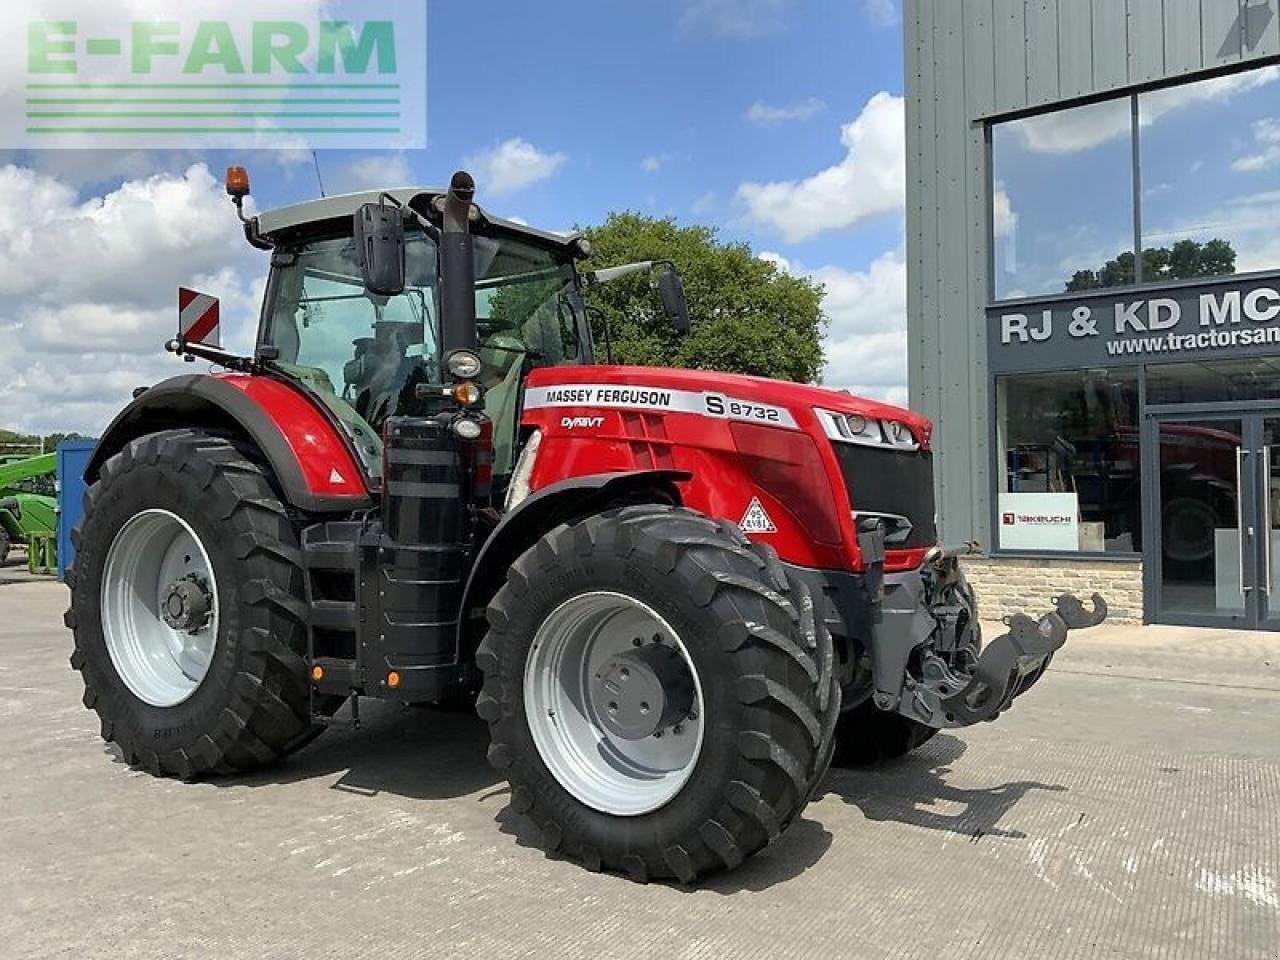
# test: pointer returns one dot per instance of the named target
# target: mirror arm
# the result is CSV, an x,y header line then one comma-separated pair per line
x,y
427,227
596,277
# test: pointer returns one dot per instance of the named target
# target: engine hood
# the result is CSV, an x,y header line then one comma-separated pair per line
x,y
797,397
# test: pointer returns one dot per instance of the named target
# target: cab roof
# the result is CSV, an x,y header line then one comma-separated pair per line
x,y
273,223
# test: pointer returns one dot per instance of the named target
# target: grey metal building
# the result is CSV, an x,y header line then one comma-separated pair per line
x,y
1093,240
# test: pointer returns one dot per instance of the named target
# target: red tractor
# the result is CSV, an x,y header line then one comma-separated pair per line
x,y
672,594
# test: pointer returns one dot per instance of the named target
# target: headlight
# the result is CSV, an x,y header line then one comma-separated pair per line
x,y
855,428
467,429
464,364
518,491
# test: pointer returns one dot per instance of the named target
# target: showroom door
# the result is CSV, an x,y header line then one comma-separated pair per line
x,y
1215,548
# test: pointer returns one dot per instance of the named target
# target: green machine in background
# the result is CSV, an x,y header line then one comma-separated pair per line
x,y
29,509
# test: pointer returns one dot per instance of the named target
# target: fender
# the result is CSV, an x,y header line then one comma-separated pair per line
x,y
308,454
544,511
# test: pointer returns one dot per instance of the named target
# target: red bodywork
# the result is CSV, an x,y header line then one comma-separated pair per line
x,y
733,456
328,468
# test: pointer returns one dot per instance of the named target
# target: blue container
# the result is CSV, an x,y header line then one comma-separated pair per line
x,y
73,457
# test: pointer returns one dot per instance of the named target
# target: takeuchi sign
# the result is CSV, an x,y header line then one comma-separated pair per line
x,y
1220,320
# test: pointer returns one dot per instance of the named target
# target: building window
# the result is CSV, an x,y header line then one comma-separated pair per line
x,y
1063,185
1063,199
1068,445
1211,176
1257,378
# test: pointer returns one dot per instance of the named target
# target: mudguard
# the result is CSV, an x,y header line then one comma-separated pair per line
x,y
308,454
545,510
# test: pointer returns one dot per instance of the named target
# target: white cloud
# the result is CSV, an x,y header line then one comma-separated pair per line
x,y
370,172
1266,134
883,13
868,182
89,289
1006,218
652,164
512,165
866,339
705,203
769,115
1070,131
736,19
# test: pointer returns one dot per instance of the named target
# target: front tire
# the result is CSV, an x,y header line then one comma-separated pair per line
x,y
867,736
187,609
742,729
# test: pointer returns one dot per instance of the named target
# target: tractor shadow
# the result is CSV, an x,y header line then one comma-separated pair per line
x,y
914,790
416,753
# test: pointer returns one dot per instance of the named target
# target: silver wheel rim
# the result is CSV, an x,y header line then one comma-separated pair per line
x,y
160,664
583,639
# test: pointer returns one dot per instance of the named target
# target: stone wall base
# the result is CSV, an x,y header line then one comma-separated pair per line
x,y
1008,585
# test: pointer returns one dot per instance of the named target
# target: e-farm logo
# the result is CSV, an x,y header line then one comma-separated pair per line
x,y
271,74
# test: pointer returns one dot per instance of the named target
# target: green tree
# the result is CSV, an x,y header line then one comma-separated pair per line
x,y
749,316
1185,260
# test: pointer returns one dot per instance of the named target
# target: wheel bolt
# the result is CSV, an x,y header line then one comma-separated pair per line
x,y
677,729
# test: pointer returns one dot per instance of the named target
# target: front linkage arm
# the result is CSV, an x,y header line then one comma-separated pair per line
x,y
945,697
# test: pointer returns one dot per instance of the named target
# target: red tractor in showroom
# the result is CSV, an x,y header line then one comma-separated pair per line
x,y
672,594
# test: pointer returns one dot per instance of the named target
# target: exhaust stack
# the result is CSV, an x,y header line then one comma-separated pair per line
x,y
457,265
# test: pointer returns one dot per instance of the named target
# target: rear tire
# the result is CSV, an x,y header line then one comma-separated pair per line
x,y
250,705
762,665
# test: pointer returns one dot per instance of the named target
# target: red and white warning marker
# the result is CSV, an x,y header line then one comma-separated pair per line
x,y
756,519
199,318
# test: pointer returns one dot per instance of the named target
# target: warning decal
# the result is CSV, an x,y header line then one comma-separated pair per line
x,y
756,519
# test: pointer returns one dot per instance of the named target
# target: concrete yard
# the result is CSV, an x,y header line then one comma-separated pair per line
x,y
1128,807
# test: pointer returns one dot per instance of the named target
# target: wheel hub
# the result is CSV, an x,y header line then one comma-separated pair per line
x,y
186,604
159,607
642,692
614,703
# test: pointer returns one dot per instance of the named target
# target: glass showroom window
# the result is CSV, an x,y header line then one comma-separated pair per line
x,y
1063,200
1070,478
1222,381
1211,177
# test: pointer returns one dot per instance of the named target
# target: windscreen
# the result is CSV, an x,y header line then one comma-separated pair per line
x,y
527,316
364,355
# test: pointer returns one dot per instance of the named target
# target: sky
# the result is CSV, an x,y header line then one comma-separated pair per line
x,y
780,122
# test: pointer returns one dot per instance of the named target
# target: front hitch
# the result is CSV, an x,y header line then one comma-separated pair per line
x,y
946,696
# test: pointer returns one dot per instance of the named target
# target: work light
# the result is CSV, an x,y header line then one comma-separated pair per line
x,y
464,364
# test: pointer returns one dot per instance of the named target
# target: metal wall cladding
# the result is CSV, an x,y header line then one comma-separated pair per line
x,y
968,61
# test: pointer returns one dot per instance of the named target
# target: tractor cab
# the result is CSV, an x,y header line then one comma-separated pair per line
x,y
374,356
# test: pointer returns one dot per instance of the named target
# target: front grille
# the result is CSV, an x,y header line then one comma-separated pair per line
x,y
891,483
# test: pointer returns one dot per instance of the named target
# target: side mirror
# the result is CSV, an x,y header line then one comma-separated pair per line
x,y
674,303
379,236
